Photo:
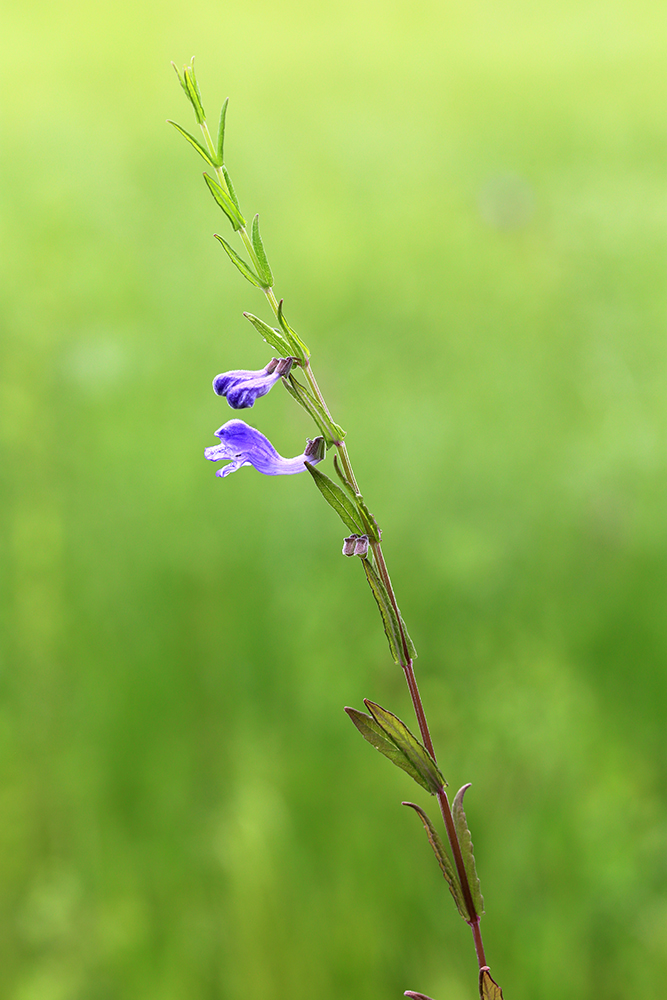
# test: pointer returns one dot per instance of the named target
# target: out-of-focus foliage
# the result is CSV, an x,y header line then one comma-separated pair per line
x,y
461,203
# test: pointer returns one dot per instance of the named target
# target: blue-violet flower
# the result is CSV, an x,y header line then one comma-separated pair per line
x,y
242,388
245,445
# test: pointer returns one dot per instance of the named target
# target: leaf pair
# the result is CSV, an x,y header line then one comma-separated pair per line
x,y
284,340
391,737
446,865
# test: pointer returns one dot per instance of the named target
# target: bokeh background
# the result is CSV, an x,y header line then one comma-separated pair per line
x,y
463,205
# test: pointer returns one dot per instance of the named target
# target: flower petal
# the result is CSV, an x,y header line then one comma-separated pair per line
x,y
245,445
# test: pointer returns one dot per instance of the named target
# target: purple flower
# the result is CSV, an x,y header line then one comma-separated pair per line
x,y
242,388
245,445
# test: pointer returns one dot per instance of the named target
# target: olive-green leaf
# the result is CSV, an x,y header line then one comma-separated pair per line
x,y
401,736
301,351
446,866
370,524
193,142
373,732
389,618
343,478
221,131
331,431
488,987
257,245
240,263
465,841
271,335
335,497
227,205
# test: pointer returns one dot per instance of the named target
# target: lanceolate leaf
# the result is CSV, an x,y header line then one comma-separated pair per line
x,y
401,736
197,145
389,619
370,524
465,841
232,192
373,732
416,996
302,352
221,132
446,866
335,497
488,988
332,432
240,263
270,335
258,247
227,205
387,614
343,478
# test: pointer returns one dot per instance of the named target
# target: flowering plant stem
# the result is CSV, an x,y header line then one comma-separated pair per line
x,y
387,733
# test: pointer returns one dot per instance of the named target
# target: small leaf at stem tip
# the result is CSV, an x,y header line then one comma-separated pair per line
x,y
188,82
240,263
289,332
197,145
226,204
488,988
335,497
446,865
221,132
417,754
416,996
465,841
376,736
271,336
262,260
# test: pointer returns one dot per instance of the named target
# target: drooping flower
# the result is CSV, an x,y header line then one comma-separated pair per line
x,y
245,445
242,388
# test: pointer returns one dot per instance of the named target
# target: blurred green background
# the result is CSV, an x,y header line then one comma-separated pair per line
x,y
463,205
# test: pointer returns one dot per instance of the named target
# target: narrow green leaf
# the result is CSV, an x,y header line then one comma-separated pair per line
x,y
232,192
221,132
343,478
240,263
387,613
332,432
389,619
465,840
271,336
302,351
446,865
191,139
371,731
188,82
488,987
335,497
408,743
262,260
370,524
226,204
